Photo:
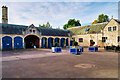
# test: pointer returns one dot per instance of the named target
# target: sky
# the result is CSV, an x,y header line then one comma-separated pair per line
x,y
57,13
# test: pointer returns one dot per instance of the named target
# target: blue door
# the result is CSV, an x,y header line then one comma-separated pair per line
x,y
57,40
6,43
62,42
71,43
43,43
50,42
18,42
67,42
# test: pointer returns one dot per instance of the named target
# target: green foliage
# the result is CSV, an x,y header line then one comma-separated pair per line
x,y
47,25
75,43
56,44
71,23
103,18
92,42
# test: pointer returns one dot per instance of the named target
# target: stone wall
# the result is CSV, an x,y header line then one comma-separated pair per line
x,y
112,36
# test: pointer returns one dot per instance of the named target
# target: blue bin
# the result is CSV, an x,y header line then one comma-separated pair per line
x,y
56,49
77,51
94,49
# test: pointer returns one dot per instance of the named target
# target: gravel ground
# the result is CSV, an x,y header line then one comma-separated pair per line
x,y
41,63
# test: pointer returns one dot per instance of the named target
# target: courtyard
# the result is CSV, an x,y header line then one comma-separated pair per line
x,y
42,63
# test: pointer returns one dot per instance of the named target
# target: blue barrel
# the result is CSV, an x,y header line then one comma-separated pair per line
x,y
6,43
18,42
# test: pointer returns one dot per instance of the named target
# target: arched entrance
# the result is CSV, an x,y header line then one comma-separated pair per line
x,y
50,42
62,42
67,42
44,42
57,40
6,43
31,41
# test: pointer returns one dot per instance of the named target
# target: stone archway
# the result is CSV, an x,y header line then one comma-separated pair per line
x,y
31,41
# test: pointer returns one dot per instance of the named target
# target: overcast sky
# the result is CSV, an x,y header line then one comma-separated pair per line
x,y
57,13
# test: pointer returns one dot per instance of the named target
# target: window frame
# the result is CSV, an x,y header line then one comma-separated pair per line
x,y
114,28
81,40
104,39
118,38
109,28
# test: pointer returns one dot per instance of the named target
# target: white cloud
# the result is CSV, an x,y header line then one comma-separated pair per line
x,y
57,13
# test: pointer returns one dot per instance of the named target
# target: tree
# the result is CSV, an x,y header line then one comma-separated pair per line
x,y
103,18
48,25
65,26
58,28
95,21
71,23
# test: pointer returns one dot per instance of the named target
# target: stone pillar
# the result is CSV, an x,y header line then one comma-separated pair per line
x,y
47,42
23,43
12,42
60,42
0,42
65,42
40,41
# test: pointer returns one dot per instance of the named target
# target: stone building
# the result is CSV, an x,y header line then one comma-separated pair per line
x,y
19,36
107,33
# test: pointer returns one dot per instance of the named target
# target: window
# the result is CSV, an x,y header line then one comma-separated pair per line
x,y
114,28
73,39
30,30
80,39
118,38
104,39
33,31
109,28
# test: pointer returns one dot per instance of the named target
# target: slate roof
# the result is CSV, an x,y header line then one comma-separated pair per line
x,y
17,29
117,20
94,28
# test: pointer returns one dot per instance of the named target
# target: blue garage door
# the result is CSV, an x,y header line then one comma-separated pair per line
x,y
71,43
6,43
67,42
62,42
44,42
50,42
18,42
57,40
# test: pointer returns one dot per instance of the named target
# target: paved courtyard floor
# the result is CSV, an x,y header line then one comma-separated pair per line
x,y
41,63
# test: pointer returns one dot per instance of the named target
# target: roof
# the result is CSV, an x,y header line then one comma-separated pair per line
x,y
17,29
117,20
94,28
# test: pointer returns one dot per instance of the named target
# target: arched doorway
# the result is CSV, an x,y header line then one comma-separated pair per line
x,y
62,42
57,40
31,41
67,42
18,42
50,42
6,43
44,42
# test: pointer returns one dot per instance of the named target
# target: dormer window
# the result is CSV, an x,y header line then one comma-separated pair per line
x,y
30,30
109,28
33,31
114,28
